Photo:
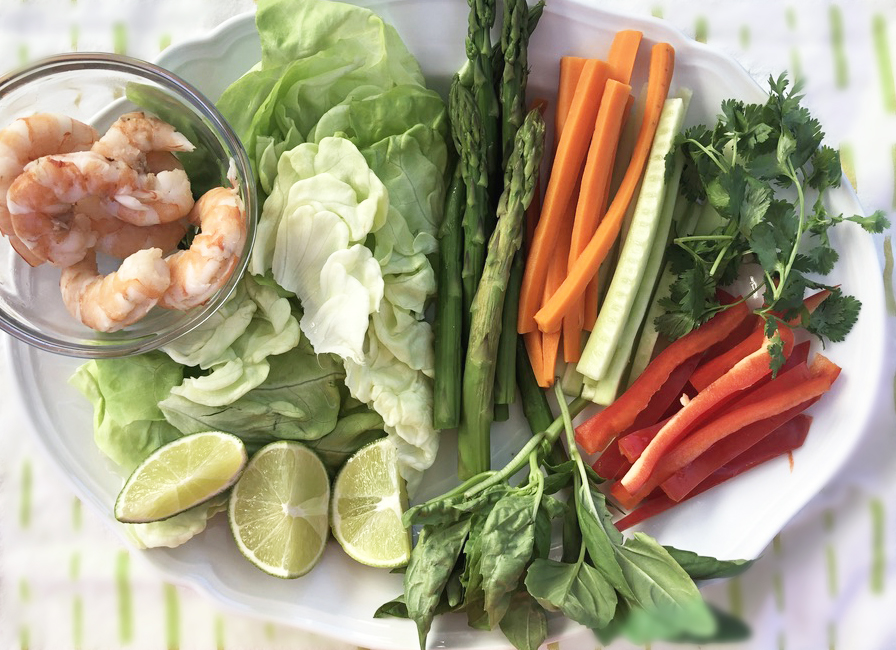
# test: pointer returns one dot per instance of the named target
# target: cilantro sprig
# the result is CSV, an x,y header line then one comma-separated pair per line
x,y
764,169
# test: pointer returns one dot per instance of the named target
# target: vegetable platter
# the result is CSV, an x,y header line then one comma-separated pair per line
x,y
339,598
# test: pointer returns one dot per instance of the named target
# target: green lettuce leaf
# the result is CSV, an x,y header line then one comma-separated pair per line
x,y
314,55
299,400
127,422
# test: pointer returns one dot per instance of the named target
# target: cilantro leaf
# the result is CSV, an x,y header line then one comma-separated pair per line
x,y
776,351
763,168
876,222
833,318
826,169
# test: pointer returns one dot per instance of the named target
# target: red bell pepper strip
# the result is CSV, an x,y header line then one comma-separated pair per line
x,y
611,463
633,444
784,439
788,377
682,482
666,397
739,334
824,373
714,368
720,359
743,375
596,433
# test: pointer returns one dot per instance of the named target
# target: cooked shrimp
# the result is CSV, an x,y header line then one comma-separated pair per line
x,y
133,135
27,139
41,201
198,272
120,239
157,198
112,302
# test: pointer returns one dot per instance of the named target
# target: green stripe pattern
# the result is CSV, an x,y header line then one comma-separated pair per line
x,y
701,29
878,546
830,554
884,62
172,618
25,502
841,67
77,603
889,295
796,66
847,161
119,38
125,600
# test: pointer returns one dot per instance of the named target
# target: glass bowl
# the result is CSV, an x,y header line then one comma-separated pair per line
x,y
97,88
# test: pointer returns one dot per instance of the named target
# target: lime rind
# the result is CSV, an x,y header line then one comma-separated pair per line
x,y
279,509
369,499
180,475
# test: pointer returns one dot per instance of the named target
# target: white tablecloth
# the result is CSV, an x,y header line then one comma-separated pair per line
x,y
827,581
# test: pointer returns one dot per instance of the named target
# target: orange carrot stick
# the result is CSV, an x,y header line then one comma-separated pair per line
x,y
549,317
593,195
556,273
570,72
623,53
592,294
565,172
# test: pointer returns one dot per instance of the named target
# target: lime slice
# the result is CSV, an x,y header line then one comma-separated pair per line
x,y
368,501
180,475
278,509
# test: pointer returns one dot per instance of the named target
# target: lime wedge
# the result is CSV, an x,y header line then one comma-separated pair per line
x,y
180,475
368,501
278,509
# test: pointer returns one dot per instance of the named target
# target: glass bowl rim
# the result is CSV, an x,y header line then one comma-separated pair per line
x,y
205,108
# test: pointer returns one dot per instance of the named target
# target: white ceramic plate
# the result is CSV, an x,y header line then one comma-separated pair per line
x,y
338,598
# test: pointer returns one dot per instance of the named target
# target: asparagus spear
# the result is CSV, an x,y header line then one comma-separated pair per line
x,y
519,21
532,18
479,51
515,71
449,309
485,328
469,140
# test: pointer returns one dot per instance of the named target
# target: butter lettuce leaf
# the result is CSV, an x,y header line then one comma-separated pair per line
x,y
298,400
324,204
314,55
127,422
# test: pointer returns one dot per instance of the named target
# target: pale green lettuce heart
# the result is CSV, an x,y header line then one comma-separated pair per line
x,y
209,343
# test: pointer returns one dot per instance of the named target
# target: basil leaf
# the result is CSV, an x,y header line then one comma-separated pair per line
x,y
543,534
525,624
396,608
701,567
558,476
729,629
666,602
577,590
506,547
600,536
429,569
474,597
572,536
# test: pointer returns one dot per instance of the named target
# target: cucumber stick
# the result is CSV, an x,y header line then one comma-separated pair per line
x,y
643,354
633,257
605,390
686,221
